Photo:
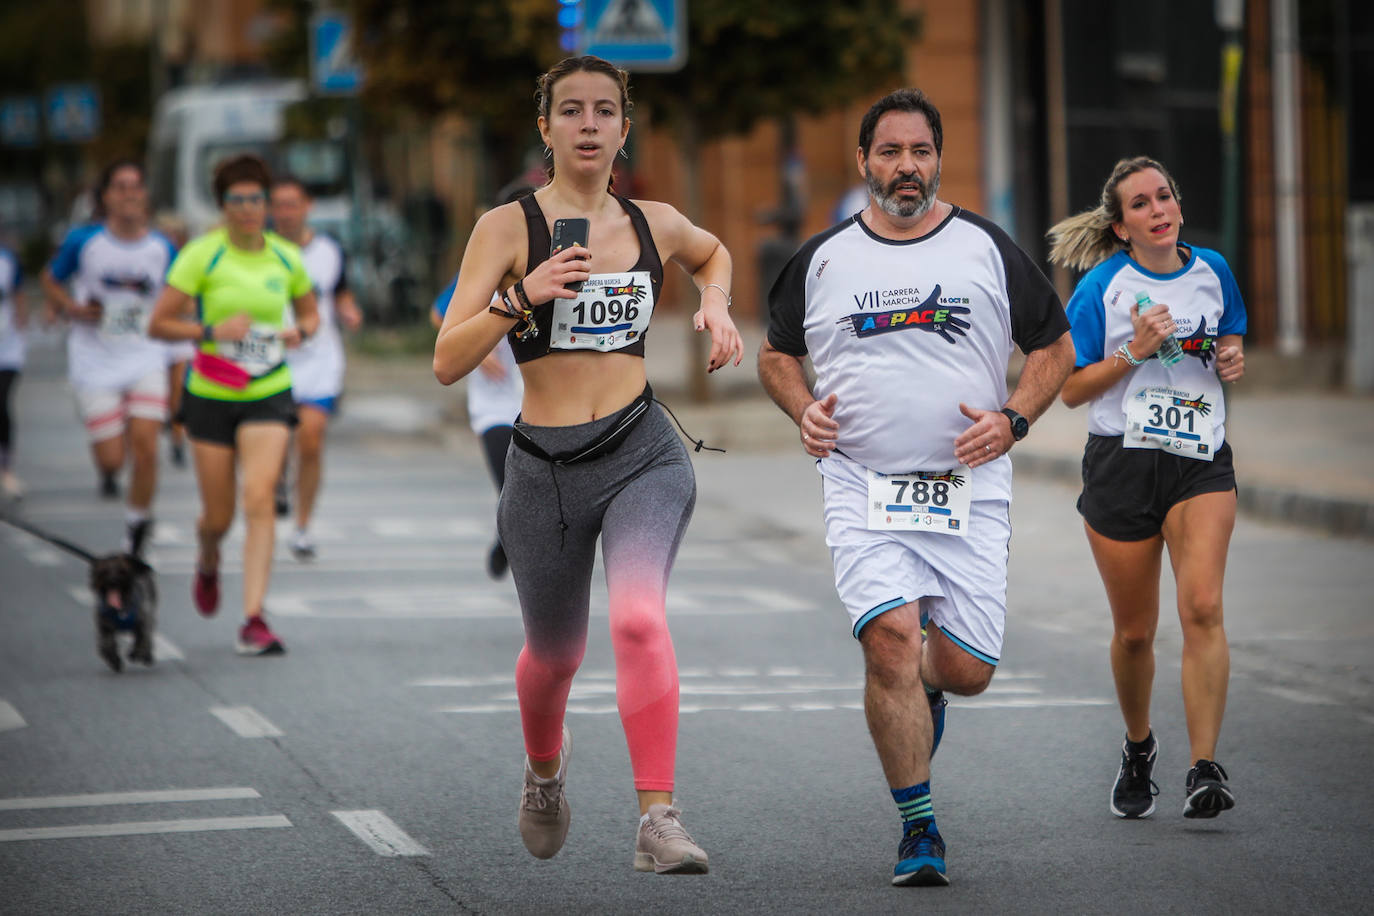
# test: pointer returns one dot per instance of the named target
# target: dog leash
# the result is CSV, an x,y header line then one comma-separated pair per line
x,y
52,539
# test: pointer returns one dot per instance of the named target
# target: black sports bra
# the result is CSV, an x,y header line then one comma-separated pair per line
x,y
605,331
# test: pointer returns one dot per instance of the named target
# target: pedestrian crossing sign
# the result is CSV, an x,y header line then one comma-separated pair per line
x,y
643,35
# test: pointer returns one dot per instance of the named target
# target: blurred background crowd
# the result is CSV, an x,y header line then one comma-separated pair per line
x,y
405,118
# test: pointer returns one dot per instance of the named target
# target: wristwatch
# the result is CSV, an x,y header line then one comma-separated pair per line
x,y
1019,424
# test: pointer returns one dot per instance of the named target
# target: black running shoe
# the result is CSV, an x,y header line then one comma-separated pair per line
x,y
1133,795
109,486
282,497
136,536
1208,794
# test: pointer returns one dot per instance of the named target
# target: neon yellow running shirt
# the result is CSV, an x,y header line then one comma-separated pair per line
x,y
226,281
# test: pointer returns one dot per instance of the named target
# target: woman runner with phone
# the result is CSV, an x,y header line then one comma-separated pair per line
x,y
593,454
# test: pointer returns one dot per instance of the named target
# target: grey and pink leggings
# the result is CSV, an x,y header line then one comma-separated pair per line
x,y
638,499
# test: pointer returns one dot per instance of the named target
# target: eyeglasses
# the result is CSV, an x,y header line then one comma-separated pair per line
x,y
245,200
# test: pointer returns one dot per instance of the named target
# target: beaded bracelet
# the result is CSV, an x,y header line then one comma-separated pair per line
x,y
1124,351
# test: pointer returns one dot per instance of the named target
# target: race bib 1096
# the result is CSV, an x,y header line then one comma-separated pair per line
x,y
611,311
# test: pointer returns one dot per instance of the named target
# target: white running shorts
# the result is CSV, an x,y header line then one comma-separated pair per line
x,y
960,581
106,411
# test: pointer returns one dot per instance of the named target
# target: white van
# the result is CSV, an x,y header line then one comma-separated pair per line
x,y
196,127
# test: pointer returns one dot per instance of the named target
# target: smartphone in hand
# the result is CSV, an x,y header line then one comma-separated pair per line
x,y
567,233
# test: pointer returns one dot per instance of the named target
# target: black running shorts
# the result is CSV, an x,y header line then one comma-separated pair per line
x,y
1128,491
209,420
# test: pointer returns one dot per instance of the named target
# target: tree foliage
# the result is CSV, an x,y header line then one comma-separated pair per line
x,y
747,59
754,59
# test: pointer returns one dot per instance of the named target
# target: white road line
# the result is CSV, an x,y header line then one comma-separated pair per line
x,y
494,680
246,722
380,832
1300,696
9,717
1037,702
157,796
41,556
588,709
136,828
164,648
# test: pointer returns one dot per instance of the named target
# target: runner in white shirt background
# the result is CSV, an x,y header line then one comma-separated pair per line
x,y
317,367
104,278
13,319
494,393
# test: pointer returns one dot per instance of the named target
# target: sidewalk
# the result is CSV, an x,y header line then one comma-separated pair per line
x,y
1304,457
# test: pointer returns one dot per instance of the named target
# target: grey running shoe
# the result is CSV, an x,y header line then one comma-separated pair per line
x,y
543,817
664,846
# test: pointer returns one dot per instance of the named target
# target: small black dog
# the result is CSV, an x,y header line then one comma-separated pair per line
x,y
125,601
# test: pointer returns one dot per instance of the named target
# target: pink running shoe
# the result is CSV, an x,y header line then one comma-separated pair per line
x,y
205,591
256,639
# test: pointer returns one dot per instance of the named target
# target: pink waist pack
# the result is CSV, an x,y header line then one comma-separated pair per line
x,y
221,371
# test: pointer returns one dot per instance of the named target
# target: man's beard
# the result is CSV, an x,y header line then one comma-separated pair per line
x,y
894,205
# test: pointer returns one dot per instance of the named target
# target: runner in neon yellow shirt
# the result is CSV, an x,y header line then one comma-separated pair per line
x,y
229,281
238,407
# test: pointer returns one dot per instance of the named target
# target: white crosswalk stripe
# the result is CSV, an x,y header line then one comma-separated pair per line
x,y
734,689
10,717
380,833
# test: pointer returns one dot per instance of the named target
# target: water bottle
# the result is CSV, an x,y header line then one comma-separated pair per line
x,y
1169,351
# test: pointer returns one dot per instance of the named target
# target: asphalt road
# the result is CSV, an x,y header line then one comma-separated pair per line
x,y
376,767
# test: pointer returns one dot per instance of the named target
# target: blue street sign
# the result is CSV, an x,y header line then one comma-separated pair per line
x,y
19,120
644,35
72,111
333,68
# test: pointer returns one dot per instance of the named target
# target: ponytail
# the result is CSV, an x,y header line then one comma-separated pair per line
x,y
1083,240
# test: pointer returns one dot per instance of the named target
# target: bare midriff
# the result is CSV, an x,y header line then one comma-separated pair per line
x,y
569,388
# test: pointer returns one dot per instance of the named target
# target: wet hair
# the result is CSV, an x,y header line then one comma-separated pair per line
x,y
1086,239
913,100
107,174
290,181
588,63
240,168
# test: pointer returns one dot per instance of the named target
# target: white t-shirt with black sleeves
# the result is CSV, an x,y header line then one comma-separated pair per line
x,y
902,331
1203,300
317,366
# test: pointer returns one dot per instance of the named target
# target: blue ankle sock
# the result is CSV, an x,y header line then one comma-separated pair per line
x,y
913,803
